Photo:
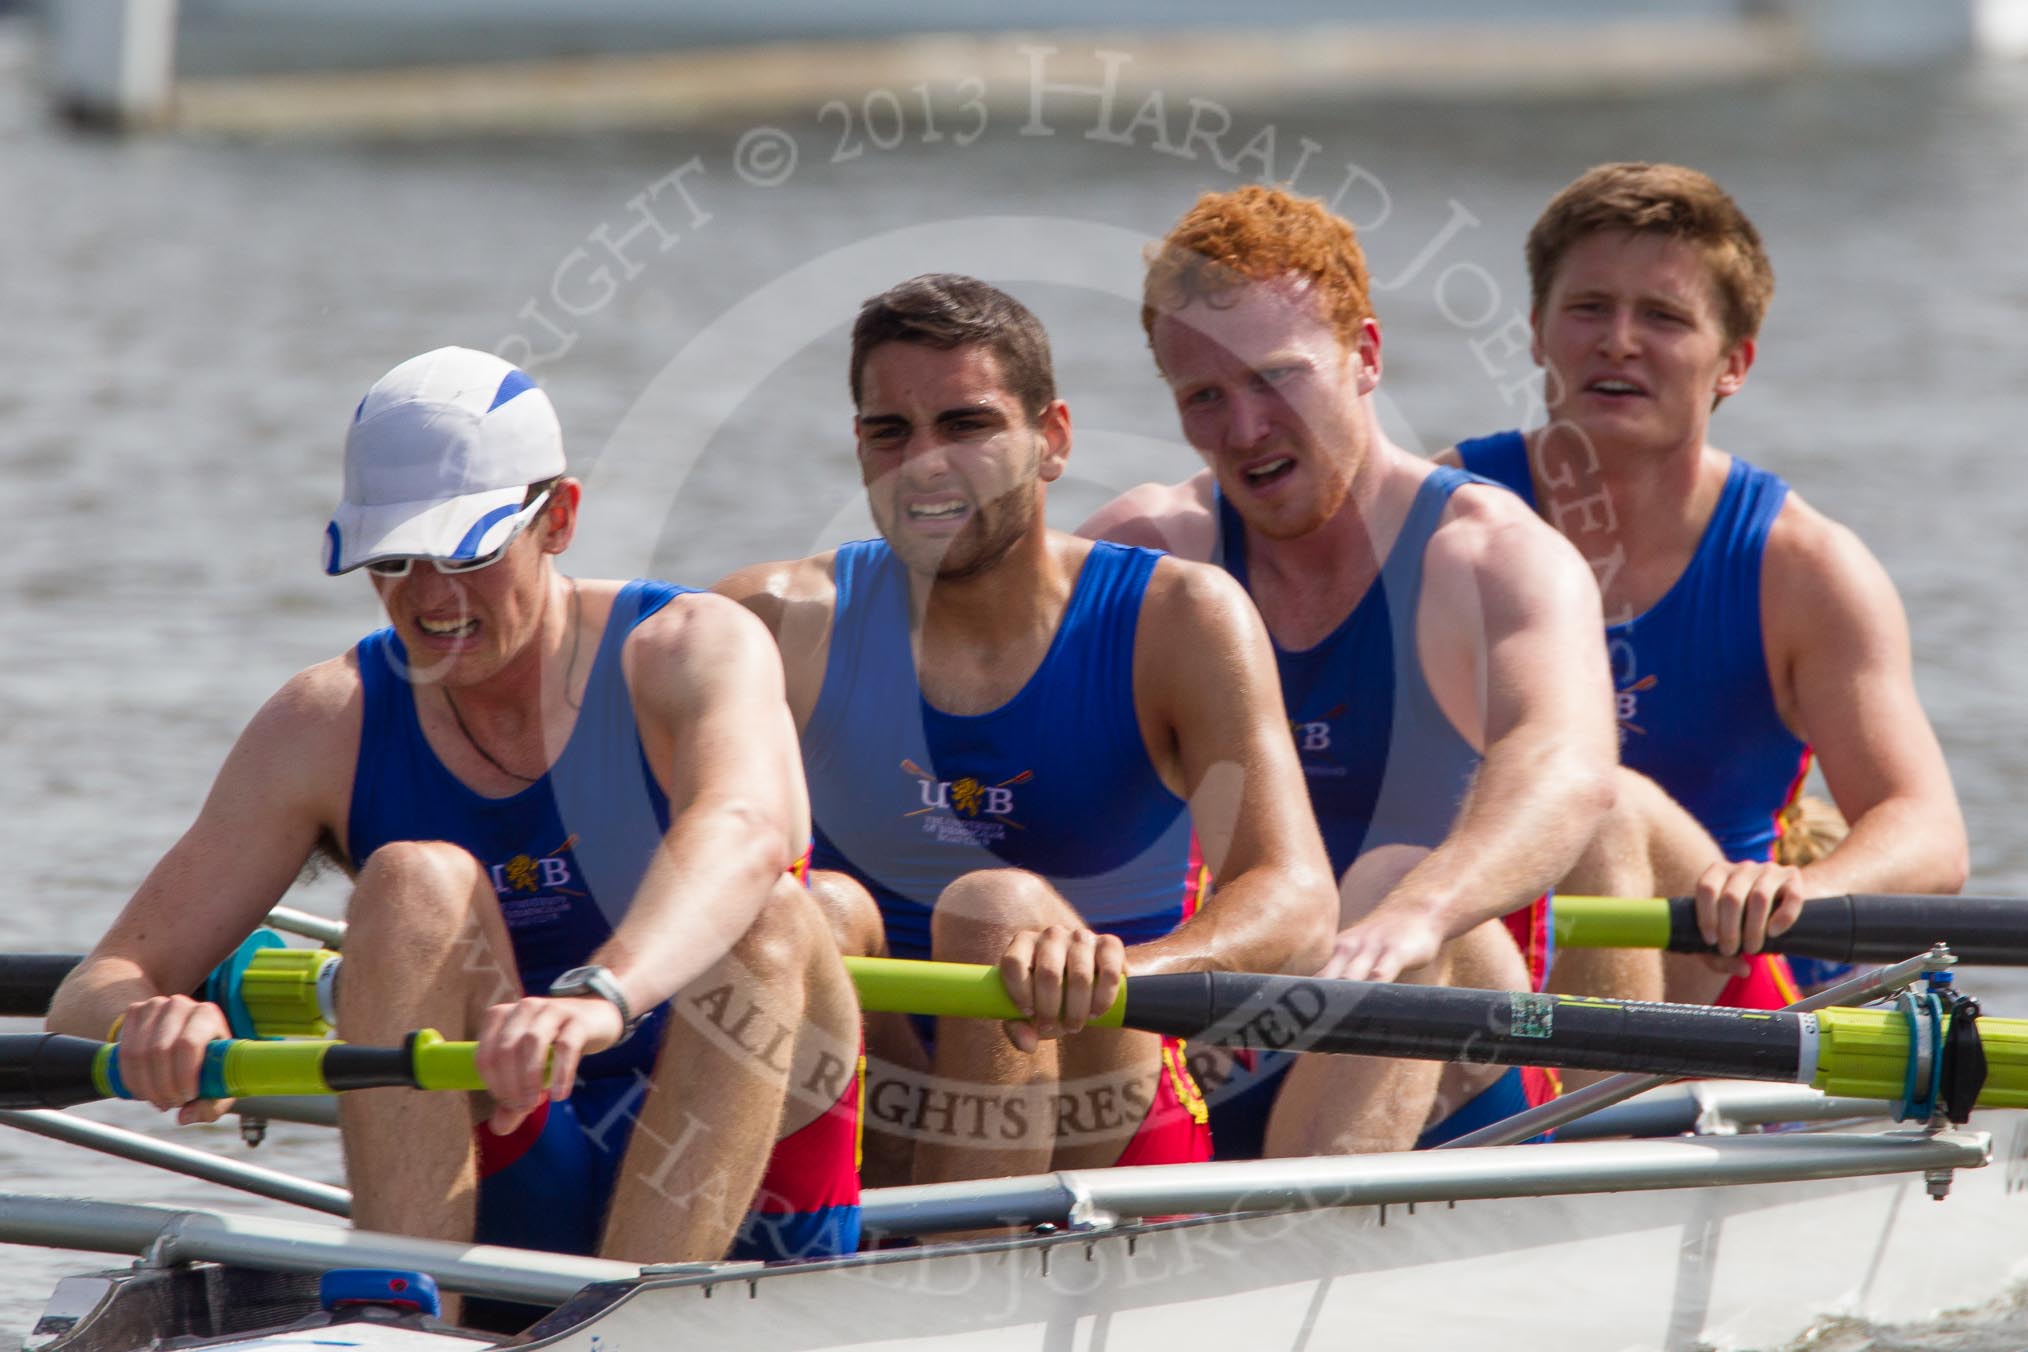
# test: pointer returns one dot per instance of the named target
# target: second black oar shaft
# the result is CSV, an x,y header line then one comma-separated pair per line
x,y
1451,1024
1861,927
1866,1053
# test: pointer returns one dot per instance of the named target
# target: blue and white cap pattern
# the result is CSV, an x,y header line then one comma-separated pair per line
x,y
438,459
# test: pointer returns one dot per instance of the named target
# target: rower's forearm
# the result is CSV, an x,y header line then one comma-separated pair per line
x,y
95,994
1265,920
700,894
1899,845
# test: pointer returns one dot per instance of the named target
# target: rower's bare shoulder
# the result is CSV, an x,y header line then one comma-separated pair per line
x,y
1804,543
1488,522
323,703
694,631
296,754
696,653
1818,578
773,590
1491,547
1180,519
1189,605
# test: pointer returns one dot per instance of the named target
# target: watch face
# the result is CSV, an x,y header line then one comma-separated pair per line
x,y
577,981
595,981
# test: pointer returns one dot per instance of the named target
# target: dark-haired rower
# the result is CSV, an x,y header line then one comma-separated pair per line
x,y
1010,735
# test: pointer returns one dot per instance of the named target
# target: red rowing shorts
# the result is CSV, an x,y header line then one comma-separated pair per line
x,y
1530,926
546,1184
1769,985
1177,1127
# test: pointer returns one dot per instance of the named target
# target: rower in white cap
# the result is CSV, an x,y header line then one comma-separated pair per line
x,y
564,802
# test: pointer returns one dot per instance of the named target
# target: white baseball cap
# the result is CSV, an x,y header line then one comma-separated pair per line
x,y
439,458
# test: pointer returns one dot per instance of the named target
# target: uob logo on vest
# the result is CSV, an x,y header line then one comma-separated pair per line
x,y
1627,706
1311,736
1313,740
966,809
533,888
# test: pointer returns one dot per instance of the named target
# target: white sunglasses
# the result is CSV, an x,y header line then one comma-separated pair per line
x,y
399,566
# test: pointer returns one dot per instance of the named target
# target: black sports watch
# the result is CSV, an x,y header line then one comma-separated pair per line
x,y
601,983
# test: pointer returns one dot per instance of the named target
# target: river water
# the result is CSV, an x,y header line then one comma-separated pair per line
x,y
189,324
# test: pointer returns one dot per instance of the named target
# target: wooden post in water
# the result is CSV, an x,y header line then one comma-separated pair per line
x,y
113,62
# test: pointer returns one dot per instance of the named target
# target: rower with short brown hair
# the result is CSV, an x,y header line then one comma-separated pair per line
x,y
1747,631
1664,200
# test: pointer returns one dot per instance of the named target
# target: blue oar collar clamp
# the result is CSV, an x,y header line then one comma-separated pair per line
x,y
225,988
1924,1083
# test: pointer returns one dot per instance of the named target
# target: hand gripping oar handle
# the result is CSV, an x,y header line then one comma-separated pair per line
x,y
950,989
1863,1053
1859,927
50,1070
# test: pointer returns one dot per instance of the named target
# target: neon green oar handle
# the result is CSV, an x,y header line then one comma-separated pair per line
x,y
49,1070
1610,922
946,989
245,1066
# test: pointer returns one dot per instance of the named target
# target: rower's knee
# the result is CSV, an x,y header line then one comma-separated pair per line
x,y
977,915
414,886
1679,848
851,913
1615,860
1641,807
424,929
1485,957
787,934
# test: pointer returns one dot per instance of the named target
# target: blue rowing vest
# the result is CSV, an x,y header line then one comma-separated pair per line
x,y
566,853
1383,763
1696,710
906,798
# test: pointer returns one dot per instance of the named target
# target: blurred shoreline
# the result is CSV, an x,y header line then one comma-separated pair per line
x,y
1010,72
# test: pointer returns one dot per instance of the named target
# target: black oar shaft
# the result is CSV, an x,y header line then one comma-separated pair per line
x,y
1885,927
28,980
1449,1024
47,1070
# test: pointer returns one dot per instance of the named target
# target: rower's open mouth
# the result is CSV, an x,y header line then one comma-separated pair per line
x,y
1616,389
1269,471
937,512
464,628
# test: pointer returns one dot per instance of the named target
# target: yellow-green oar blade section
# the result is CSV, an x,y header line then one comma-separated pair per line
x,y
1864,1053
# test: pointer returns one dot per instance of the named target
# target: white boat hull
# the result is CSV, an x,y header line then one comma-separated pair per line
x,y
1538,1256
1746,1266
